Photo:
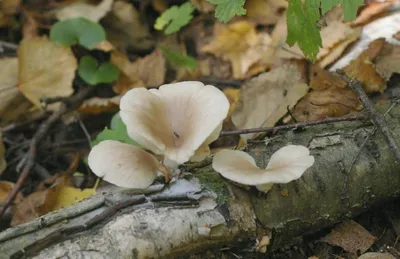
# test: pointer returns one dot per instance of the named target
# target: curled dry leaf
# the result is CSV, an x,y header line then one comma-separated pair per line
x,y
46,69
242,46
174,120
12,102
287,164
371,10
124,28
265,99
85,9
147,71
265,12
331,98
123,164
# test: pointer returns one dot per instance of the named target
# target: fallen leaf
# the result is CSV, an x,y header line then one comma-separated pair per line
x,y
12,103
267,97
143,72
321,79
85,9
5,190
67,196
3,162
371,10
203,6
387,62
233,97
350,236
97,105
364,70
10,7
46,69
242,46
125,29
265,12
374,255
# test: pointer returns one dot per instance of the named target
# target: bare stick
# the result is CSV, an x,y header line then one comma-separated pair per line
x,y
29,159
356,117
377,118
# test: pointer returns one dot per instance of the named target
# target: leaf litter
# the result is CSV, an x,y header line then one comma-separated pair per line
x,y
267,82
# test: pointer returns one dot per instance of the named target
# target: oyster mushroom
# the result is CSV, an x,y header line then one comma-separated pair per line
x,y
287,164
176,119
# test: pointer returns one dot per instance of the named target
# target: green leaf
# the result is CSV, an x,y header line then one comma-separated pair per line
x,y
77,30
349,7
227,9
117,132
178,59
175,18
302,27
93,73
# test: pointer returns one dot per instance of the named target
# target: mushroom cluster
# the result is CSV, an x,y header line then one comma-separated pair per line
x,y
177,121
285,165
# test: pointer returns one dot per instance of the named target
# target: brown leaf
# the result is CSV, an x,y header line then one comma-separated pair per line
x,y
350,236
125,30
266,98
5,190
147,71
364,70
387,62
242,46
373,255
46,69
265,12
85,9
321,79
371,10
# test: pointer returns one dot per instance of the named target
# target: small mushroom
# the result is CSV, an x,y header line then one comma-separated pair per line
x,y
287,164
123,165
176,119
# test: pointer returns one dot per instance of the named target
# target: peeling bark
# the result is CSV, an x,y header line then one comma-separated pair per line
x,y
345,181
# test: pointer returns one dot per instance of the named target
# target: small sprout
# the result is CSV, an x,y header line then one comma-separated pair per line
x,y
176,119
123,165
287,164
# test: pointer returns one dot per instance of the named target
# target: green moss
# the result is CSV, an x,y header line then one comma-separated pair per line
x,y
212,181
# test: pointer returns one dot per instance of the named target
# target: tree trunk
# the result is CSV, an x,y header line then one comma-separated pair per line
x,y
352,173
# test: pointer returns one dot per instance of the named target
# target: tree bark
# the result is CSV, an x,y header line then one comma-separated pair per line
x,y
349,176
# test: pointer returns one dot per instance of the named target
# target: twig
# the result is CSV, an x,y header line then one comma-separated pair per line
x,y
15,126
377,118
29,159
356,117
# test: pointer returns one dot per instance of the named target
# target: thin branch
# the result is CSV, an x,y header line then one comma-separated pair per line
x,y
29,159
355,117
377,118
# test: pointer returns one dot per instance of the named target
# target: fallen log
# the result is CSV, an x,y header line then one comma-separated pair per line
x,y
354,170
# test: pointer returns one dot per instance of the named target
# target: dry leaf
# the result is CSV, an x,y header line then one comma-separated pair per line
x,y
321,79
125,30
265,12
203,6
46,69
373,255
387,62
350,236
147,71
371,10
97,105
266,98
85,9
242,46
233,96
10,7
364,70
5,189
67,196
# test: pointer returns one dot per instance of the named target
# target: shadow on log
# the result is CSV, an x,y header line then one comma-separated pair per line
x,y
206,211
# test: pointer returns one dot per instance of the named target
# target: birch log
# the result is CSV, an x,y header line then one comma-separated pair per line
x,y
353,172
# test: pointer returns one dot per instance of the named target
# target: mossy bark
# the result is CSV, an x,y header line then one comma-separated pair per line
x,y
354,171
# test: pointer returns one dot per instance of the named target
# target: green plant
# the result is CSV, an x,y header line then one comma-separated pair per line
x,y
178,59
94,73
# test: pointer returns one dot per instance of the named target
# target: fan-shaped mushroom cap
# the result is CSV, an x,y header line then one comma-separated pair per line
x,y
287,164
123,165
174,120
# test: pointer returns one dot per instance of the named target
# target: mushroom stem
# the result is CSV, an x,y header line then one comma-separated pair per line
x,y
164,170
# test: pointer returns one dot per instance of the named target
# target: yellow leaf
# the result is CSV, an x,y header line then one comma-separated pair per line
x,y
242,46
67,196
5,190
46,69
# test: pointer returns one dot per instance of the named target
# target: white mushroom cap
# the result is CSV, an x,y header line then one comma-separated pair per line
x,y
287,164
204,150
123,165
174,120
